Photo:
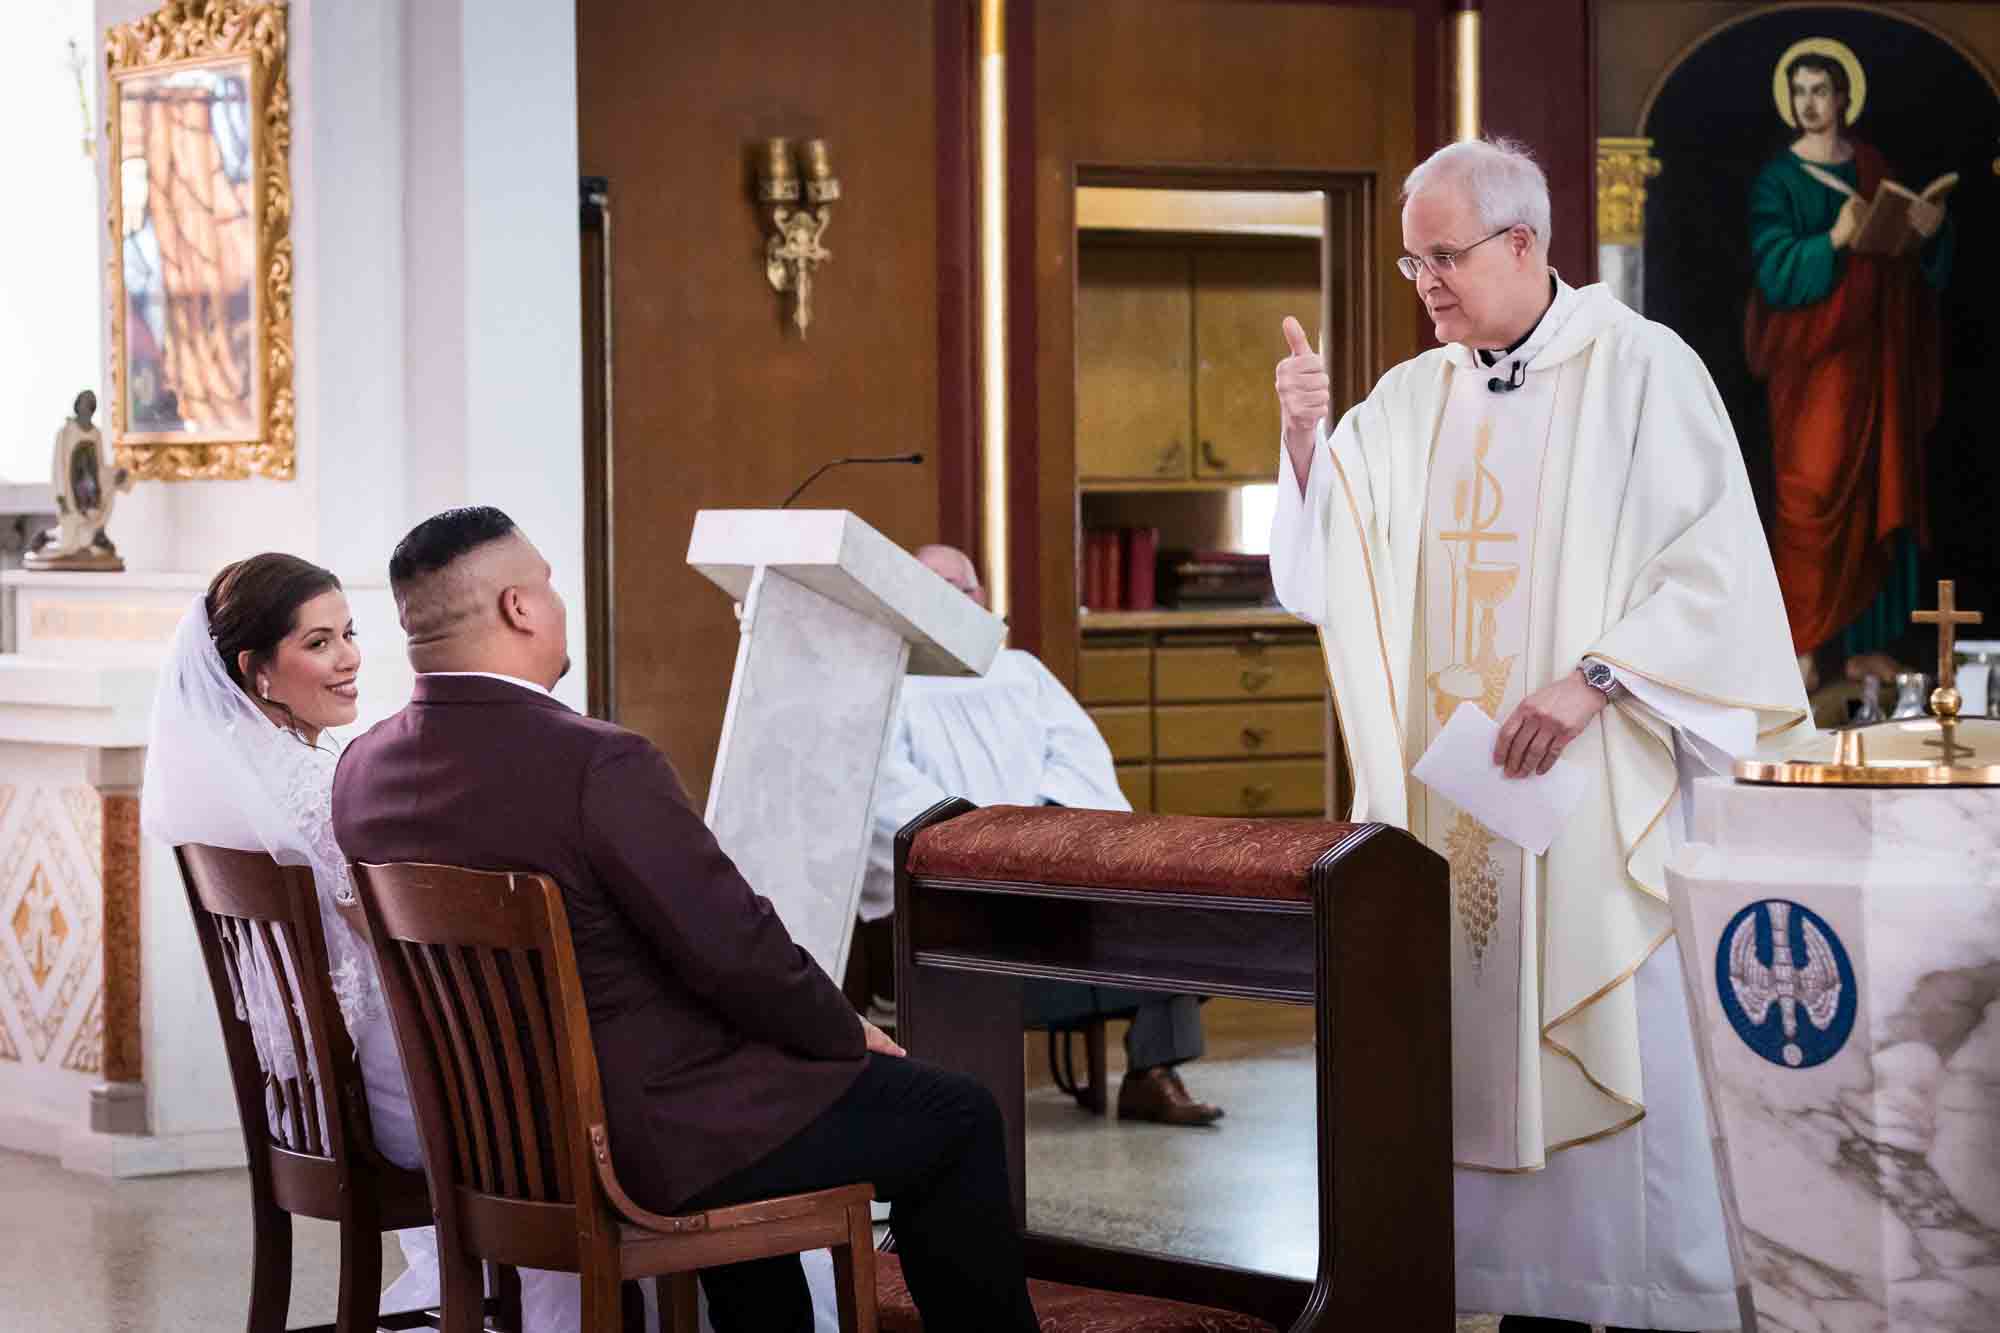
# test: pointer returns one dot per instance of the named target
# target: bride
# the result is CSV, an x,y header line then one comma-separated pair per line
x,y
262,666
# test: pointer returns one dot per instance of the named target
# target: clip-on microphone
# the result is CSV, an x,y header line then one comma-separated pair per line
x,y
1517,375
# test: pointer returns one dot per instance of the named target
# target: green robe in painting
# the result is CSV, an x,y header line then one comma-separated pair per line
x,y
1850,346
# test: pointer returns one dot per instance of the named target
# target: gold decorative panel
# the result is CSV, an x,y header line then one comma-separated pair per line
x,y
40,927
51,618
1623,168
86,1048
51,921
200,275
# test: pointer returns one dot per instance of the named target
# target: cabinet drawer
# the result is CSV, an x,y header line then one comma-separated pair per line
x,y
1262,787
1114,675
1128,731
1136,781
1240,671
1240,731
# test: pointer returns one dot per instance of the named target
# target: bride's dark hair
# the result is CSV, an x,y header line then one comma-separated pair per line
x,y
253,604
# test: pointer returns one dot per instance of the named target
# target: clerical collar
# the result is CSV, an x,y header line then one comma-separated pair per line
x,y
1488,357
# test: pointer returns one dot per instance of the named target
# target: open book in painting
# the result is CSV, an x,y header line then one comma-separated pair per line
x,y
1885,219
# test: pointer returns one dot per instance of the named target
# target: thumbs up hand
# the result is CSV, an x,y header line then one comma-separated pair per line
x,y
1304,392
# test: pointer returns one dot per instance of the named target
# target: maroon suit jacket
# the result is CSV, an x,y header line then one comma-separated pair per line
x,y
717,1037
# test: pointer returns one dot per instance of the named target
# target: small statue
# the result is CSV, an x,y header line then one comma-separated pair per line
x,y
87,484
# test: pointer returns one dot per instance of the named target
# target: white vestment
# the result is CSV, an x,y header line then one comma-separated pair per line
x,y
1014,736
1461,544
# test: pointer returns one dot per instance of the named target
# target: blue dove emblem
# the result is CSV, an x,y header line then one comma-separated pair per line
x,y
1786,983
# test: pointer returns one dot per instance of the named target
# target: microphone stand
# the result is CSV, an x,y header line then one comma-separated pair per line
x,y
824,468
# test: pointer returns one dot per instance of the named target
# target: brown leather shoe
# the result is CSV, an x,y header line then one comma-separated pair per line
x,y
1158,1095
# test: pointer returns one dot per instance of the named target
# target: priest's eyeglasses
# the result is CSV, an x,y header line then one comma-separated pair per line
x,y
1442,262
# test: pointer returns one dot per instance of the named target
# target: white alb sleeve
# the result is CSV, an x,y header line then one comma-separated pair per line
x,y
1298,533
1718,734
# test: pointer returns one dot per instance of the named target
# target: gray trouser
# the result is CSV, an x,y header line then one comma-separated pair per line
x,y
1166,1029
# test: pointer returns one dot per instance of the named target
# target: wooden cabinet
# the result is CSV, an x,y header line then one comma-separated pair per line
x,y
1134,393
1206,720
1294,787
1127,730
1247,666
1175,347
1115,670
1241,298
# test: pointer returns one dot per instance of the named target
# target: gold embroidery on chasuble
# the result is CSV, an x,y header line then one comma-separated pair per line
x,y
1476,616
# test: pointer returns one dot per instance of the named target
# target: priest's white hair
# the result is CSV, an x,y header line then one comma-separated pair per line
x,y
1501,176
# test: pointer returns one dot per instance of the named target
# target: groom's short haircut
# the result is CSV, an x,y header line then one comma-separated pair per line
x,y
434,602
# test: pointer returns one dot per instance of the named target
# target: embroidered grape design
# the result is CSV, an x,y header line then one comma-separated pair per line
x,y
1475,882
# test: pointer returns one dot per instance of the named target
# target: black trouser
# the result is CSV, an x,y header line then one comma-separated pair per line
x,y
930,1142
1165,1029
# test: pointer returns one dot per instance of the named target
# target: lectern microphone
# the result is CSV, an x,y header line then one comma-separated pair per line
x,y
843,462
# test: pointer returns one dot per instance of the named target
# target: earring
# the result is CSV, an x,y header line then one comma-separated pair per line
x,y
264,686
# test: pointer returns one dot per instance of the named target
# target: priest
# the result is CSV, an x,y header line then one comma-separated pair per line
x,y
1547,518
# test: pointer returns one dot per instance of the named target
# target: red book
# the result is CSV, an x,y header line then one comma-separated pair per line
x,y
1141,549
1097,571
1114,579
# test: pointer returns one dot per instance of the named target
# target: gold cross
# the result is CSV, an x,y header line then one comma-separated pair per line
x,y
1947,618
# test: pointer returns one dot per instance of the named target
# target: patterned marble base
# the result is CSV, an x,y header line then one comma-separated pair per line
x,y
1847,1011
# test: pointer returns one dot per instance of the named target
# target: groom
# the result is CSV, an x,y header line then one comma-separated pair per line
x,y
733,1069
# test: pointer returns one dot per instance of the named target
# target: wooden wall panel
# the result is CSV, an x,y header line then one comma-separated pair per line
x,y
1211,85
1538,84
717,400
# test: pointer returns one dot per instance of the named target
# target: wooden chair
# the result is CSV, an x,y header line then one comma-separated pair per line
x,y
483,992
320,1160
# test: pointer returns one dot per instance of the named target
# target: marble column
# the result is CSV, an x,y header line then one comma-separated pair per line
x,y
1843,949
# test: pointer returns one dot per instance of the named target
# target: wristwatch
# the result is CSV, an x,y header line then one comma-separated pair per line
x,y
1599,677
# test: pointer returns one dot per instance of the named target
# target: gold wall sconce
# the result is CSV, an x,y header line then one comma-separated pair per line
x,y
794,251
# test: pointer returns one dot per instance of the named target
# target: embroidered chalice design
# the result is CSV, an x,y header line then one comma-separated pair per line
x,y
1478,587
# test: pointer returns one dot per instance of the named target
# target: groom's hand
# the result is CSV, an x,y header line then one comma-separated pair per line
x,y
878,1041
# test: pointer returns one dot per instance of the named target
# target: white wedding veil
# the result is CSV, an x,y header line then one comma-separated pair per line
x,y
218,771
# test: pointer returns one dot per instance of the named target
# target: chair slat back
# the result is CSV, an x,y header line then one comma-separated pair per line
x,y
259,927
482,987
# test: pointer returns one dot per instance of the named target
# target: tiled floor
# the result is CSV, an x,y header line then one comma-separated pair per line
x,y
170,1254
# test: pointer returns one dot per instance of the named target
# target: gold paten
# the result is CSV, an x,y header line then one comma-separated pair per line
x,y
1942,750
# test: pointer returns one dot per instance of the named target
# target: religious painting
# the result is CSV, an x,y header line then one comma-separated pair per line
x,y
1816,224
201,267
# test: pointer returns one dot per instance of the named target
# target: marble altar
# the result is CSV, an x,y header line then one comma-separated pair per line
x,y
1843,950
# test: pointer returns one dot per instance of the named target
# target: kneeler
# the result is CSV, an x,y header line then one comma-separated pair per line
x,y
1350,919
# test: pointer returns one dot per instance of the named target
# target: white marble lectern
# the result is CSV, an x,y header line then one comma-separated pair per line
x,y
832,614
1843,966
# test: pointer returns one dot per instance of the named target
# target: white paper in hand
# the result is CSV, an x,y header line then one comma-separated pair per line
x,y
1528,812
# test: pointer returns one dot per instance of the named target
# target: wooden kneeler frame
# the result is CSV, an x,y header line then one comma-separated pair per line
x,y
1350,919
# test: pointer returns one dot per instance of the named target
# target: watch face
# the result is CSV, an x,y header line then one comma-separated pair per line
x,y
1599,675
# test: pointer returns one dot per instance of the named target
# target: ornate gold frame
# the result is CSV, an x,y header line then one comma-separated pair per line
x,y
192,33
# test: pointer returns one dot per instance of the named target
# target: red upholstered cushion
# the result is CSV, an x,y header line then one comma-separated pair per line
x,y
1070,1309
1238,858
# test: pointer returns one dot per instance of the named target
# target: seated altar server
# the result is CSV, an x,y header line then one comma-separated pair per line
x,y
1547,519
733,1069
1016,737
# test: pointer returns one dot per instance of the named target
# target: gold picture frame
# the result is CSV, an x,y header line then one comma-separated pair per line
x,y
198,129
